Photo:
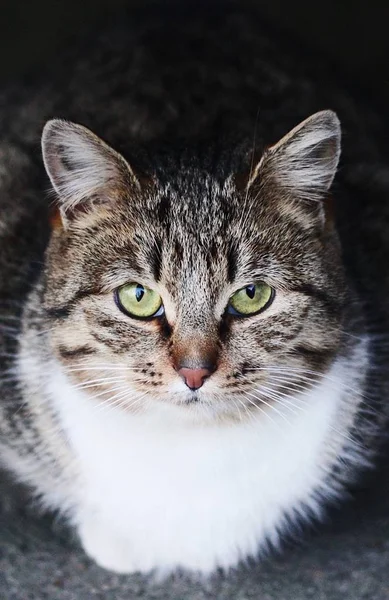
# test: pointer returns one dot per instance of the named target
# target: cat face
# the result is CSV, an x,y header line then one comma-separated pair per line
x,y
190,288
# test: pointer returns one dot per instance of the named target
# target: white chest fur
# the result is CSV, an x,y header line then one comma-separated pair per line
x,y
157,492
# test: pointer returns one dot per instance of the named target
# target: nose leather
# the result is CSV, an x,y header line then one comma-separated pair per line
x,y
194,378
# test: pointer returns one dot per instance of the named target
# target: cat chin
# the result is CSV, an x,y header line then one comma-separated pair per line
x,y
202,408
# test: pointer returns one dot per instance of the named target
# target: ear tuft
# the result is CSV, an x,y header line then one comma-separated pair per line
x,y
304,162
80,165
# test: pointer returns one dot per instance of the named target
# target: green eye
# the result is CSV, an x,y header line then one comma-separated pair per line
x,y
139,301
251,300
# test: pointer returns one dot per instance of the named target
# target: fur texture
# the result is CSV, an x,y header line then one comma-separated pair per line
x,y
196,194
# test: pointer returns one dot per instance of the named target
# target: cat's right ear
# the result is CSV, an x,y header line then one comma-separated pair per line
x,y
82,168
304,162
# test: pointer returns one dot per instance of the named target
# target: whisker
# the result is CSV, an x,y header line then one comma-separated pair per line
x,y
109,391
285,401
259,408
275,395
121,393
270,406
135,401
101,381
121,399
307,374
237,408
100,368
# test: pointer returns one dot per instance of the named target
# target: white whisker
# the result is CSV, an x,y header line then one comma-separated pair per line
x,y
269,405
260,409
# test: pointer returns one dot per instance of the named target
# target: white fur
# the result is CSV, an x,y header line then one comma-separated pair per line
x,y
158,491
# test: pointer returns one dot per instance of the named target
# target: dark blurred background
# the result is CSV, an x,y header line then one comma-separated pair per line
x,y
353,34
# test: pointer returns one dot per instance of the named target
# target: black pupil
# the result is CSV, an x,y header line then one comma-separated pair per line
x,y
250,291
139,292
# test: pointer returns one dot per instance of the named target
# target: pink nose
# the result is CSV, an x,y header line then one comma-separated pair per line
x,y
194,378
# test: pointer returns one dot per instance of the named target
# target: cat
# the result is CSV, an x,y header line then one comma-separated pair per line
x,y
189,319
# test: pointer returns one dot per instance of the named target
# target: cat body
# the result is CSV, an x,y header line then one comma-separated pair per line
x,y
194,435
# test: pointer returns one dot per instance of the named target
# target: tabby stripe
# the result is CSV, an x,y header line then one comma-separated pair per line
x,y
61,312
110,323
154,259
314,292
108,341
232,260
75,352
314,354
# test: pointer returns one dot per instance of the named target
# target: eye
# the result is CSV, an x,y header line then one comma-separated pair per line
x,y
251,300
139,301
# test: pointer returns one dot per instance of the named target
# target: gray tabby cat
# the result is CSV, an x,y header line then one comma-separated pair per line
x,y
188,348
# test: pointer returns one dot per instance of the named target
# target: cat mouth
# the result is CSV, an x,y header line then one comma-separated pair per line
x,y
192,397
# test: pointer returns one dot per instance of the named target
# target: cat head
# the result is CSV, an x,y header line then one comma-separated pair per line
x,y
193,285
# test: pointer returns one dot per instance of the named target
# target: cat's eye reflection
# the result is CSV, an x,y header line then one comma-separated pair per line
x,y
251,300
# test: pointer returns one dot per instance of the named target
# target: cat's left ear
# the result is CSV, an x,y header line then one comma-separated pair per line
x,y
304,162
82,167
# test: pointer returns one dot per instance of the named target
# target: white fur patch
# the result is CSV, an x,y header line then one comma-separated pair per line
x,y
159,492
